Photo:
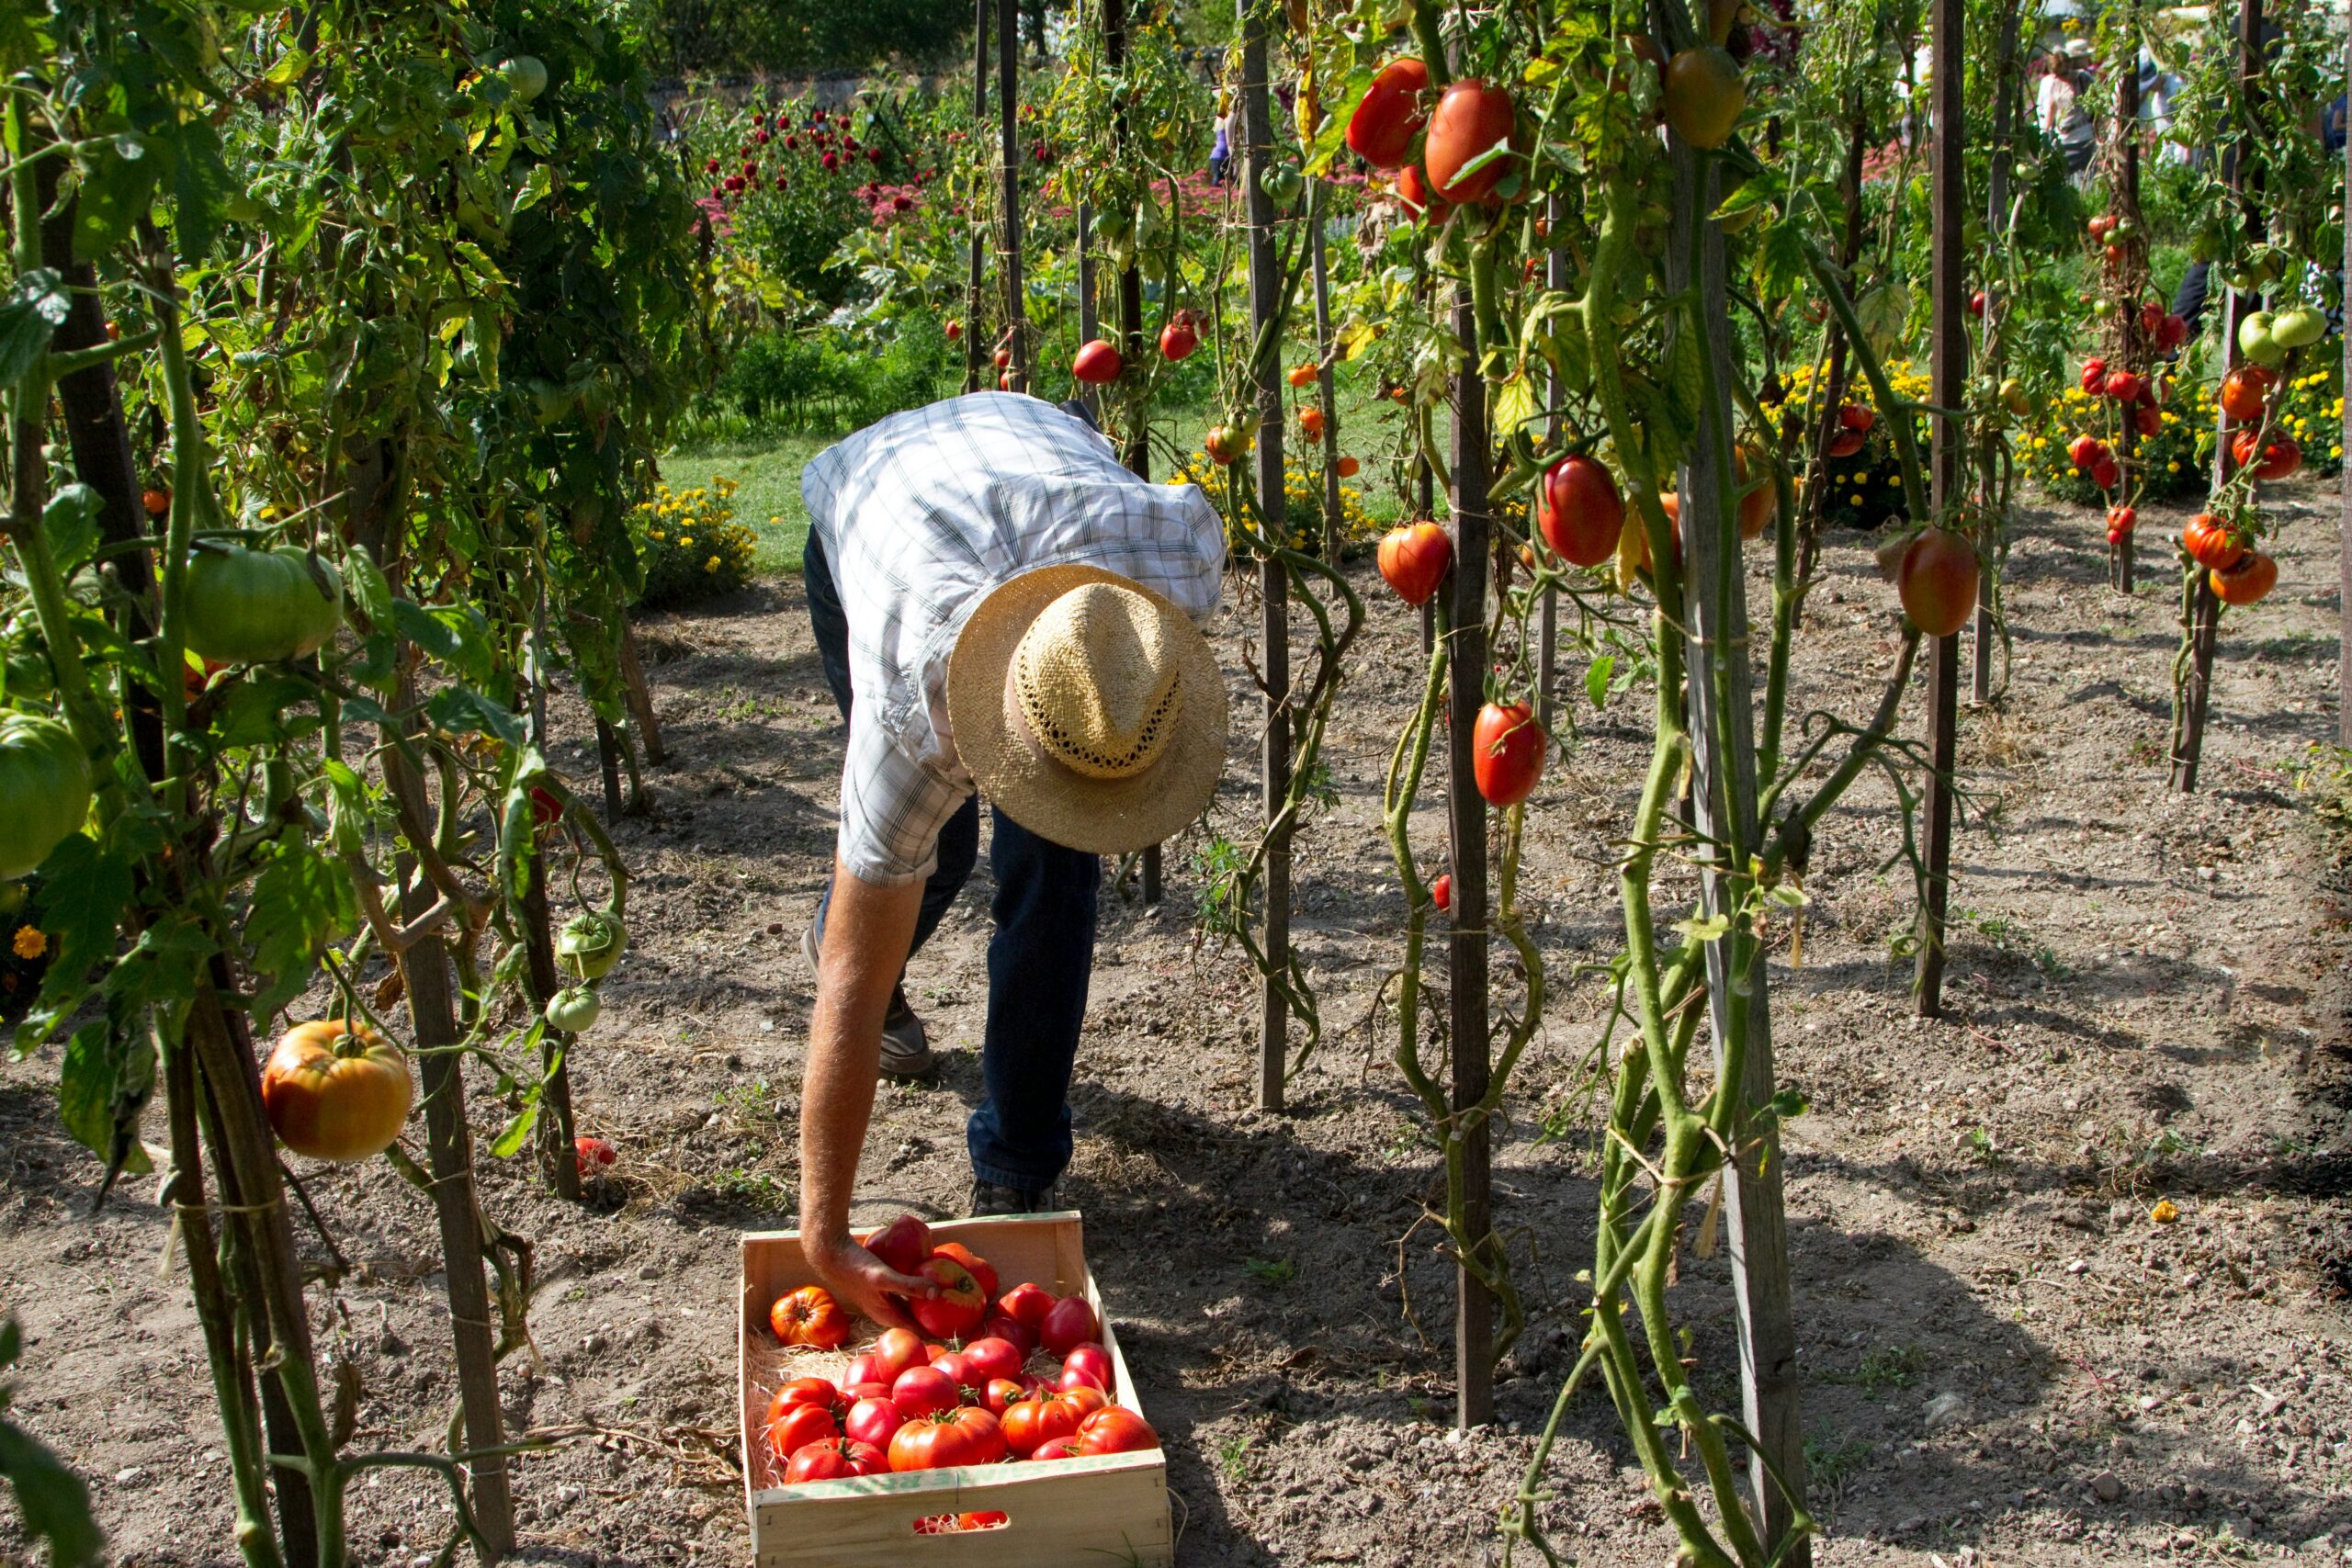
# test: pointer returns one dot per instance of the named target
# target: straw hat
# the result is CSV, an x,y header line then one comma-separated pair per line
x,y
1088,708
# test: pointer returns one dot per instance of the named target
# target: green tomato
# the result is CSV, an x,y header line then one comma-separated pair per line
x,y
2298,327
244,207
574,1010
255,606
2257,342
44,790
526,76
591,943
30,677
1283,184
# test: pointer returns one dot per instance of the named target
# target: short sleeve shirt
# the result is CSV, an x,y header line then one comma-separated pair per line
x,y
920,516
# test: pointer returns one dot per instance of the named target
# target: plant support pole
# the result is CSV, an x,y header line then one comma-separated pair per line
x,y
1474,1323
1996,207
1949,374
1016,304
1273,578
975,293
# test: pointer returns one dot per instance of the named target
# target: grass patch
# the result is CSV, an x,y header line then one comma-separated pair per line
x,y
767,467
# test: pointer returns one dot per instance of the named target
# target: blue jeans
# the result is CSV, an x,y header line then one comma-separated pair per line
x,y
1040,958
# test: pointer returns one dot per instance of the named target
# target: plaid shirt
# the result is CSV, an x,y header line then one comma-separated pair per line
x,y
920,516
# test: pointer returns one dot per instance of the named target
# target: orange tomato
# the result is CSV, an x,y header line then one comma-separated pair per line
x,y
809,1315
336,1090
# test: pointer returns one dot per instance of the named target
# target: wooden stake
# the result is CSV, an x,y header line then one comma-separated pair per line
x,y
975,353
1474,1323
1996,208
1555,276
1008,255
1949,374
637,695
1132,346
1273,578
2203,605
608,763
1325,375
559,1162
2126,205
1834,373
2344,535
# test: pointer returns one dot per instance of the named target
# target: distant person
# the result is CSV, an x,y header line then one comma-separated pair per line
x,y
1221,149
2063,108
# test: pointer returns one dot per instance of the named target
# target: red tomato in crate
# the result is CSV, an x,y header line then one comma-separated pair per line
x,y
905,1242
873,1421
809,1317
1020,1335
993,1359
834,1460
1027,1304
943,1439
1090,1360
957,1366
1507,752
1042,1417
808,1390
979,1267
1000,1393
923,1390
1069,1323
895,1351
958,1307
1114,1429
798,1427
1061,1447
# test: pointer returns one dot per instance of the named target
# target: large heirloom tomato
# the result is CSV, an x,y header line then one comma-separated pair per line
x,y
335,1090
2211,543
809,1315
2247,582
981,1269
252,606
1413,559
1041,1417
941,1439
1472,119
1072,1322
958,1307
1388,115
1114,1429
1508,748
44,790
2278,458
1704,96
834,1459
797,1427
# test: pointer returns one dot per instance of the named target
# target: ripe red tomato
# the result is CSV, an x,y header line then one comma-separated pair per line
x,y
955,1365
2278,457
799,1426
1045,1416
1000,1393
2105,473
895,1351
1097,365
1020,1335
1508,750
955,331
2247,582
834,1459
2121,520
2211,543
1976,303
863,1368
1471,118
1413,191
980,1268
1027,1304
989,1520
921,1390
809,1315
808,1390
1442,890
2094,376
2085,451
156,499
594,1156
1414,558
1003,358
958,1307
1388,115
1301,375
1349,468
1178,337
1580,511
1115,1429
1061,1447
2245,393
1937,582
1311,420
1088,1359
1854,416
993,1359
1070,1323
2171,332
905,1242
942,1439
2147,421
873,1421
2123,386
1846,443
2100,225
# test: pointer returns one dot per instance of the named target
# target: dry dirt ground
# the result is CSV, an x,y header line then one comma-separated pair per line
x,y
2007,1361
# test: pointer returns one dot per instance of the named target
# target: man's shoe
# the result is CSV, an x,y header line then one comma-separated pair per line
x,y
906,1046
988,1198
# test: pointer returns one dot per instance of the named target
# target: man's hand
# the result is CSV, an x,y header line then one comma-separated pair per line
x,y
864,1283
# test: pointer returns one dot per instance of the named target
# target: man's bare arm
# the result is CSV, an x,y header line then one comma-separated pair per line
x,y
868,931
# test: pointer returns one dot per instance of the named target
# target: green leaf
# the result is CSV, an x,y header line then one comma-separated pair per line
x,y
462,710
118,185
454,634
201,186
1789,1104
253,711
1596,678
52,1499
107,1076
1710,928
70,521
85,890
29,314
301,901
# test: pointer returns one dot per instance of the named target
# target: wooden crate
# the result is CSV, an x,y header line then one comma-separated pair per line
x,y
1107,1510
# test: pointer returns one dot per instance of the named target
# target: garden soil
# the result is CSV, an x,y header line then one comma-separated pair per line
x,y
2005,1358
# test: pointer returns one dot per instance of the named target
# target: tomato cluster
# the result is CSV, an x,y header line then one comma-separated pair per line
x,y
967,1396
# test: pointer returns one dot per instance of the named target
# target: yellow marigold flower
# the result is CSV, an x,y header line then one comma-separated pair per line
x,y
711,564
2164,1212
687,543
30,944
1855,499
2171,468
